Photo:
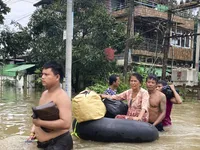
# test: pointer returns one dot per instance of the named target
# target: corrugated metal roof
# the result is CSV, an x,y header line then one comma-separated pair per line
x,y
21,68
3,71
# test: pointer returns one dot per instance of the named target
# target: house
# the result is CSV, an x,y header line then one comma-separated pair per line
x,y
150,20
16,72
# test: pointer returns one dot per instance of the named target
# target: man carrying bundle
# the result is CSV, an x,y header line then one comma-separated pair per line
x,y
59,136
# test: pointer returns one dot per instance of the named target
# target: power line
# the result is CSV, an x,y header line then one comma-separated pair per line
x,y
13,2
20,1
21,18
7,1
24,17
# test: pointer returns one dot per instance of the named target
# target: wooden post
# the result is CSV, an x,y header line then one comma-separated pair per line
x,y
130,36
184,91
25,82
167,42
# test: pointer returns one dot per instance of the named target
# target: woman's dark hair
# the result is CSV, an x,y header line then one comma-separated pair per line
x,y
113,78
152,77
56,68
163,82
138,76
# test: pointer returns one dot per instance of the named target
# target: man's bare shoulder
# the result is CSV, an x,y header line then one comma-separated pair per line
x,y
63,93
160,94
62,96
43,97
44,93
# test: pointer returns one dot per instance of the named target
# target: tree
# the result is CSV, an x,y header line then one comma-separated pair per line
x,y
94,30
14,44
3,11
46,28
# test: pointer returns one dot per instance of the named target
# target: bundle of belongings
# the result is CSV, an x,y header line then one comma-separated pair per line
x,y
47,112
168,92
115,107
87,105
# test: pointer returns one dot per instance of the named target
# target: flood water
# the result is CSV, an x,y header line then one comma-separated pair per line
x,y
15,124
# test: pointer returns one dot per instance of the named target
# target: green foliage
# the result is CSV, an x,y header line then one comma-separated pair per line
x,y
101,86
38,78
122,87
46,27
142,72
92,22
94,30
14,43
3,10
138,39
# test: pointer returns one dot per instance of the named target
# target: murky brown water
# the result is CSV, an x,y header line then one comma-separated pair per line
x,y
15,123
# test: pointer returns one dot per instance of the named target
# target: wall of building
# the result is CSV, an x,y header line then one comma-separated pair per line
x,y
174,53
178,53
150,12
30,81
19,81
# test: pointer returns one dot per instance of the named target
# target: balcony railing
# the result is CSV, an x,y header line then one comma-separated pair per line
x,y
148,3
150,45
160,5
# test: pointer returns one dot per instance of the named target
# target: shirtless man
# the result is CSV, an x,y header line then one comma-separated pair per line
x,y
60,137
157,101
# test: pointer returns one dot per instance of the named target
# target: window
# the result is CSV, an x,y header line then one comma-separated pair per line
x,y
118,4
136,58
142,59
183,41
187,41
149,60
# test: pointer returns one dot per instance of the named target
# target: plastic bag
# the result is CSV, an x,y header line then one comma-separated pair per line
x,y
167,91
114,108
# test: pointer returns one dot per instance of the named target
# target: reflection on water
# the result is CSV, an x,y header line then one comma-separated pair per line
x,y
15,112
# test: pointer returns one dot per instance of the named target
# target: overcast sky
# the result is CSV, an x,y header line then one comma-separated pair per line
x,y
21,11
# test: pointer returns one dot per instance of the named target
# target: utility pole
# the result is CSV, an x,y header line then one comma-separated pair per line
x,y
167,41
182,7
197,52
69,36
197,44
130,36
68,58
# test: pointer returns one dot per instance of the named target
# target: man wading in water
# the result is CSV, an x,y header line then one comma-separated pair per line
x,y
157,101
59,138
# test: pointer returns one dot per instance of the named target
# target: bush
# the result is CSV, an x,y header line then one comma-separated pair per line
x,y
122,87
101,86
38,79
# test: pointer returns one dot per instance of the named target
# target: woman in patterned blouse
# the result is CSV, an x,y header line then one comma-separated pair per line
x,y
137,98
